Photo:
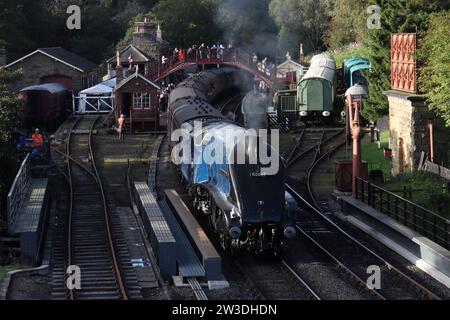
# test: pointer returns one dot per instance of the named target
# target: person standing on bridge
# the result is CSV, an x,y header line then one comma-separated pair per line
x,y
202,52
181,55
255,60
121,123
264,63
221,50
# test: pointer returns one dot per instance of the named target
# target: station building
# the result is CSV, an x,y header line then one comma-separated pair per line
x,y
136,96
145,47
416,132
55,65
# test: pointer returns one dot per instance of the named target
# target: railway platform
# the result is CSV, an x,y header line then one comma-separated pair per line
x,y
28,206
419,250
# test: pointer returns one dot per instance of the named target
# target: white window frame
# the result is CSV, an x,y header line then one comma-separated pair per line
x,y
142,100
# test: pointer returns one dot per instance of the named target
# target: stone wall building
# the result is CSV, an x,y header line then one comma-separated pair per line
x,y
410,132
145,47
416,133
148,39
55,65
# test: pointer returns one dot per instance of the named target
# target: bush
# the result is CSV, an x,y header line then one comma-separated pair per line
x,y
434,79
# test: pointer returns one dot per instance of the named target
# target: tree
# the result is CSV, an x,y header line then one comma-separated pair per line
x,y
185,23
434,77
98,32
22,23
26,25
397,16
347,24
301,21
10,122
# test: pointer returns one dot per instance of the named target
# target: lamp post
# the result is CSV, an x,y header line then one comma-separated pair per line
x,y
355,96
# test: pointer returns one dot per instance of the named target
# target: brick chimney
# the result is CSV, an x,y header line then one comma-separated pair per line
x,y
147,37
302,55
119,69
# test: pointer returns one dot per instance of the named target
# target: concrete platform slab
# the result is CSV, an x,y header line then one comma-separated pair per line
x,y
424,253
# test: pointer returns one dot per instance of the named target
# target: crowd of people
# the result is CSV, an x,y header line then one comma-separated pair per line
x,y
215,51
164,95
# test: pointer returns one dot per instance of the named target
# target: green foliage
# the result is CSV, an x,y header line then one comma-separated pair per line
x,y
301,21
10,122
9,105
434,78
375,157
185,23
431,195
346,52
347,24
28,24
397,16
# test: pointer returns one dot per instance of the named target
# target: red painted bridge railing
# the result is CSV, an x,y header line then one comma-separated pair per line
x,y
237,58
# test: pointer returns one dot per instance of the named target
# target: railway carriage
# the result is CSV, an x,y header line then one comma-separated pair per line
x,y
353,71
317,89
45,105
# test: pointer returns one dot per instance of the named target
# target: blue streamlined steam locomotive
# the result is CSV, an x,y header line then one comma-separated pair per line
x,y
246,205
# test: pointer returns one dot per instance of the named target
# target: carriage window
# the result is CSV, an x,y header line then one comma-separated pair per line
x,y
141,101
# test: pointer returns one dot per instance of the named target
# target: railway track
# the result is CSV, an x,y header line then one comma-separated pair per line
x,y
88,230
311,148
273,279
355,258
345,251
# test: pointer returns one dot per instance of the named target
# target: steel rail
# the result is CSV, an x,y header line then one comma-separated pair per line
x,y
97,179
297,145
71,196
76,162
116,267
317,145
302,281
312,168
411,281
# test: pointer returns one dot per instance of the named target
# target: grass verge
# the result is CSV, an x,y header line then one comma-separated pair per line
x,y
375,157
427,191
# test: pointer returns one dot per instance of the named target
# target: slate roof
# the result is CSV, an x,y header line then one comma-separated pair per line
x,y
138,55
64,56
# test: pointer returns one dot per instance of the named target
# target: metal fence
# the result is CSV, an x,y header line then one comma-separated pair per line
x,y
436,169
420,219
18,192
